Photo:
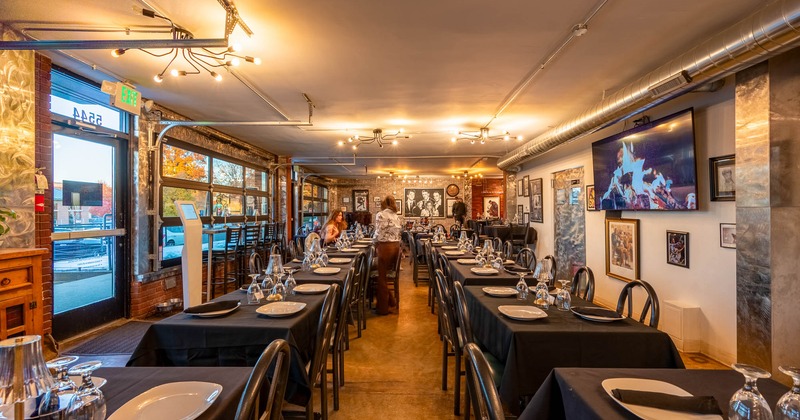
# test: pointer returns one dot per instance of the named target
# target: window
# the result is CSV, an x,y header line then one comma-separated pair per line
x,y
315,205
219,186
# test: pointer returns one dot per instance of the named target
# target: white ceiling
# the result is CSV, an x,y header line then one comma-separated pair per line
x,y
429,67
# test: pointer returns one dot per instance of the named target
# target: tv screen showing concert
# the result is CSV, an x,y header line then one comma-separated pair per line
x,y
650,167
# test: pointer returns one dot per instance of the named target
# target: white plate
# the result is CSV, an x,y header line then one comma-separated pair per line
x,y
522,313
340,260
484,271
175,400
360,246
454,252
350,249
327,271
281,309
311,288
364,241
96,380
467,261
217,313
449,247
652,386
597,318
509,262
500,291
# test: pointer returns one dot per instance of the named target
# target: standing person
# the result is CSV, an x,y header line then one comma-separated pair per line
x,y
333,227
459,211
388,226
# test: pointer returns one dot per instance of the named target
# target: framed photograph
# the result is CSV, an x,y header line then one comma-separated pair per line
x,y
491,206
520,188
722,178
399,203
449,206
678,248
424,202
536,203
727,235
343,209
622,248
360,200
345,199
526,189
520,209
526,218
591,205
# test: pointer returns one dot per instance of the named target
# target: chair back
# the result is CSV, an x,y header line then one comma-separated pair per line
x,y
526,258
444,265
584,292
429,259
256,264
269,232
252,234
626,295
325,326
476,239
508,250
460,303
275,249
436,227
497,244
487,404
454,231
278,352
232,236
531,237
446,310
344,303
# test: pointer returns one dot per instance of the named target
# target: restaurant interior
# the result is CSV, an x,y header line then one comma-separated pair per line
x,y
171,173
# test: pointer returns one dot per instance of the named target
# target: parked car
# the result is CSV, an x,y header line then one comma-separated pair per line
x,y
173,235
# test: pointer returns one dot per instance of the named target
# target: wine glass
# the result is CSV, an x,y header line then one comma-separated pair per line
x,y
747,402
90,404
563,299
522,287
290,283
254,293
788,406
59,365
542,299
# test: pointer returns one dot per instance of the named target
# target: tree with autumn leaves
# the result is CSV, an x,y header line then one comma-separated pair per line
x,y
181,164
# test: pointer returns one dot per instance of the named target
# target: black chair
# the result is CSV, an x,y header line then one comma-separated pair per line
x,y
227,256
651,304
435,228
476,239
444,265
256,264
508,250
454,231
553,268
483,389
418,262
497,244
337,343
450,337
358,308
583,292
526,258
251,237
249,404
431,263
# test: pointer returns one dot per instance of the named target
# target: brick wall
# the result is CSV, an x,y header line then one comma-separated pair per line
x,y
44,159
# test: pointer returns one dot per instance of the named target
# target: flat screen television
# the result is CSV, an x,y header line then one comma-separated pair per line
x,y
81,194
650,167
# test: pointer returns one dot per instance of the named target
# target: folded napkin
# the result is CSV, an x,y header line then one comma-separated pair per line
x,y
699,404
608,313
212,307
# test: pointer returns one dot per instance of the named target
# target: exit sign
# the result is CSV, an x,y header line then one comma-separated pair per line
x,y
127,99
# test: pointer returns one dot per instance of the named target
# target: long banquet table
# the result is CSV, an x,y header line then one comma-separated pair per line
x,y
570,393
462,274
124,384
236,339
530,349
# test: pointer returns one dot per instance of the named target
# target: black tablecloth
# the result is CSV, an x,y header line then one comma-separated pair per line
x,y
236,339
303,277
530,349
126,383
577,393
461,273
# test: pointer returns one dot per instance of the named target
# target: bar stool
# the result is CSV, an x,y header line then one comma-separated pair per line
x,y
227,257
251,235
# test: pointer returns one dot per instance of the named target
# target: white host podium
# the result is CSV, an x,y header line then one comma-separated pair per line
x,y
191,256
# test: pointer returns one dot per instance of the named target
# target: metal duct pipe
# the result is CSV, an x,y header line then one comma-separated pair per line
x,y
110,44
767,32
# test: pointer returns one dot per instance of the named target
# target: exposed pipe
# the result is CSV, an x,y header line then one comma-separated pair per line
x,y
769,31
307,162
110,44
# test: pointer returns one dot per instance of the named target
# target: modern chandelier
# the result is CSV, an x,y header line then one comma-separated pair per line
x,y
482,136
377,137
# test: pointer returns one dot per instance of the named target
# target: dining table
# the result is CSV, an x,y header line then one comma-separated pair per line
x,y
530,349
463,274
578,393
124,384
305,277
234,339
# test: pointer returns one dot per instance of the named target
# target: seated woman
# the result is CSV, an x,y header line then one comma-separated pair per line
x,y
333,227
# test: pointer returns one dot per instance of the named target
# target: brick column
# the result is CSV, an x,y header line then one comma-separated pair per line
x,y
44,159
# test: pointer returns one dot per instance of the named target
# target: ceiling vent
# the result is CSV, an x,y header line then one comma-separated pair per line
x,y
670,84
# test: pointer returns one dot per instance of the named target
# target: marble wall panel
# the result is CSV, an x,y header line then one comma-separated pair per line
x,y
785,288
569,222
17,143
784,129
752,137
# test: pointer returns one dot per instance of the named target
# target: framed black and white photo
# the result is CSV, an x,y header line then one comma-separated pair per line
x,y
526,218
360,200
399,204
622,248
722,177
526,189
520,188
727,235
536,204
424,202
376,199
678,248
449,206
345,200
520,209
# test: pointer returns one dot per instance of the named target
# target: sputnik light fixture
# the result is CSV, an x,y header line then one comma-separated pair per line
x,y
483,136
377,137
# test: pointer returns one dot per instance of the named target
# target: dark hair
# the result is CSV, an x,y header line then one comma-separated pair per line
x,y
389,203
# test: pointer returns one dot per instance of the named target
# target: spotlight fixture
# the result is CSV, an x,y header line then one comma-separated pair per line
x,y
482,136
466,175
377,137
580,29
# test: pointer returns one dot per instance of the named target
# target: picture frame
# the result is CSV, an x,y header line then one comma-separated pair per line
x,y
449,206
399,204
536,200
520,188
345,200
376,199
722,177
727,235
591,203
424,202
526,190
526,218
622,248
360,200
678,248
520,209
343,209
491,206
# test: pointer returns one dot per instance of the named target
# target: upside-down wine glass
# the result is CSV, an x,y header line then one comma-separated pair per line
x,y
254,292
522,287
747,402
788,406
563,299
90,404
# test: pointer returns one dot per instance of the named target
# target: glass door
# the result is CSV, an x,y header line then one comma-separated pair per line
x,y
88,230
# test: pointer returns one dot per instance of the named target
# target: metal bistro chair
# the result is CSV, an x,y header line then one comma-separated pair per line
x,y
227,257
553,268
249,405
497,244
340,331
651,304
526,258
454,231
256,264
418,261
430,263
508,250
358,303
483,389
251,235
587,292
450,337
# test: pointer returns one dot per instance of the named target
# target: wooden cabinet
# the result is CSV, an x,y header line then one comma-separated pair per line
x,y
21,308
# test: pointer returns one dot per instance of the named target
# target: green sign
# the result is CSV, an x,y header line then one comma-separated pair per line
x,y
129,96
126,98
